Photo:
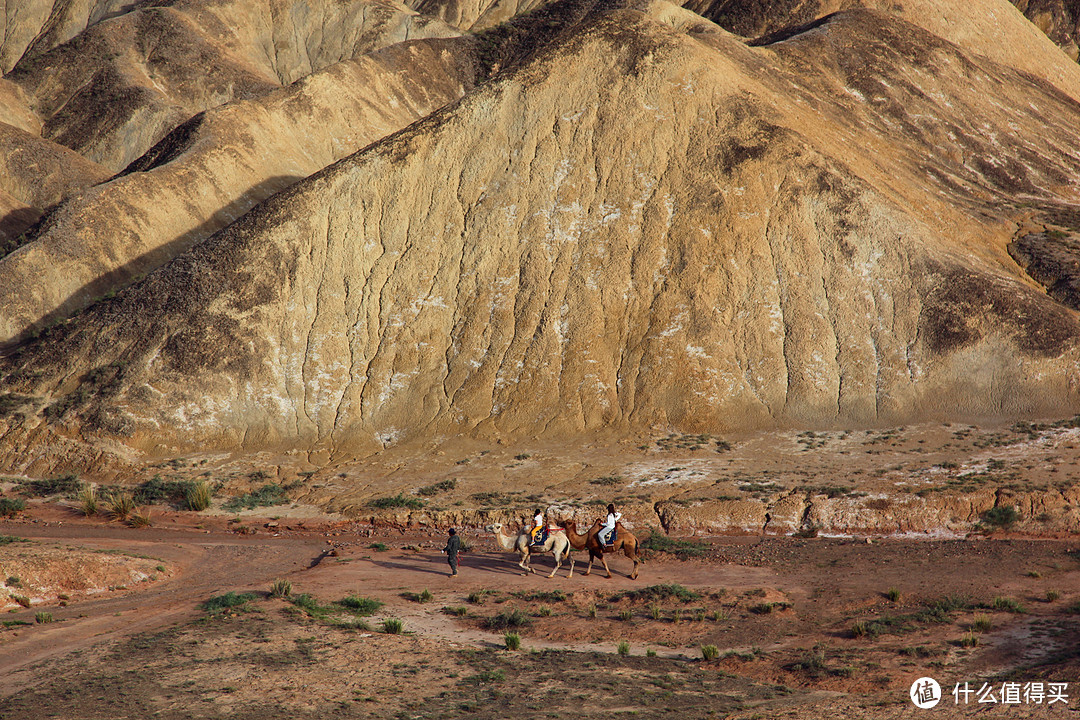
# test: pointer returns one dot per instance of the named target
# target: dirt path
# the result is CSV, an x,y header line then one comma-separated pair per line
x,y
207,563
200,565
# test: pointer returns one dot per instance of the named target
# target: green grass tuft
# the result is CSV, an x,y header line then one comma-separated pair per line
x,y
198,496
397,501
280,588
266,496
659,592
360,605
507,619
228,600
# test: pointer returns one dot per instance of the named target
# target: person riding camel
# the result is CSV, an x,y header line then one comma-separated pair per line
x,y
539,525
607,530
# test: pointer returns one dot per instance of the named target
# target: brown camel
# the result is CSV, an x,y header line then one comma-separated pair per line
x,y
624,540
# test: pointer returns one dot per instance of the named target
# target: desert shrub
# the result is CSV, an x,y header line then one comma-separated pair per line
x,y
379,547
623,648
650,653
10,507
655,612
968,640
681,549
479,597
7,539
119,505
397,501
507,619
658,593
893,595
544,611
21,600
921,651
456,610
139,518
626,615
592,611
709,652
67,485
488,676
13,581
266,496
812,663
393,626
676,616
435,489
606,481
940,610
1052,596
540,596
1002,516
1005,604
512,641
420,597
360,605
198,496
306,602
280,588
228,600
156,491
981,623
88,499
43,617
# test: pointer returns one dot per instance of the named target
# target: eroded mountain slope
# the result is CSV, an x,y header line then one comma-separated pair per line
x,y
215,168
119,87
637,228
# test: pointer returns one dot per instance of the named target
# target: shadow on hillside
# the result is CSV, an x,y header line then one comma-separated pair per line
x,y
115,281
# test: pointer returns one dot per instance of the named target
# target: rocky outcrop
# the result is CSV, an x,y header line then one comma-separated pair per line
x,y
639,226
1059,19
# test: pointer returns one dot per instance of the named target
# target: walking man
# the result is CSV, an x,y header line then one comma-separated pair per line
x,y
453,547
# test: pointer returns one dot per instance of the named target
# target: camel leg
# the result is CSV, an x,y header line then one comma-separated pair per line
x,y
570,557
604,560
589,569
524,564
558,564
631,552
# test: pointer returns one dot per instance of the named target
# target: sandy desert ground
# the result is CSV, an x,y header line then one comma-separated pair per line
x,y
806,624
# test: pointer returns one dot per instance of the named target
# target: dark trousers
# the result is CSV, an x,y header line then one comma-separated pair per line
x,y
452,559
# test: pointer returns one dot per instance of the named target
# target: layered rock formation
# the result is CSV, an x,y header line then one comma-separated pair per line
x,y
641,220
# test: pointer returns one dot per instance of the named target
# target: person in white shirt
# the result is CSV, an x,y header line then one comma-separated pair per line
x,y
538,526
609,524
